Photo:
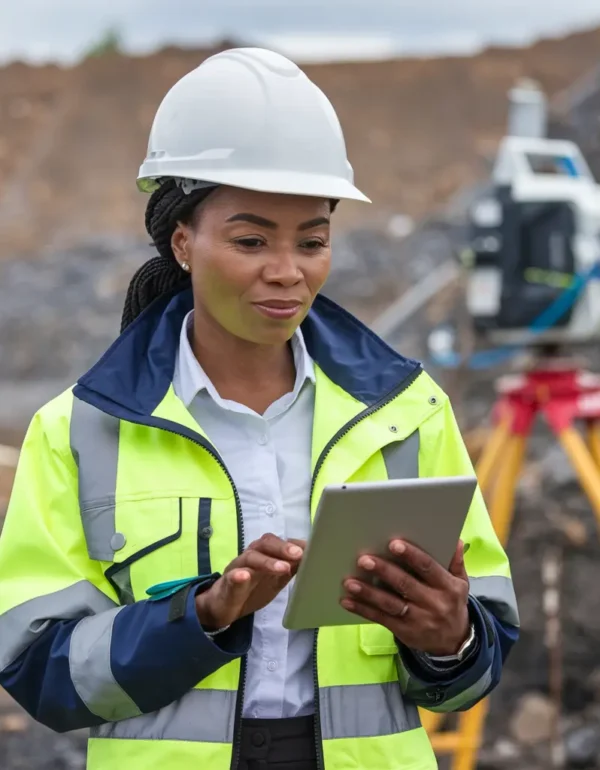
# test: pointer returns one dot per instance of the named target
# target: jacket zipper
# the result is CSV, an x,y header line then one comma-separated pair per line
x,y
239,704
322,457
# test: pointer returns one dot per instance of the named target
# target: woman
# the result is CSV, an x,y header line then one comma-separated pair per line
x,y
161,507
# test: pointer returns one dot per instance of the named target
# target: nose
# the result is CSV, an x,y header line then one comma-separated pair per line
x,y
282,269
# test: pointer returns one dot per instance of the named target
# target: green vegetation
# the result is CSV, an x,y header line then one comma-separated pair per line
x,y
109,43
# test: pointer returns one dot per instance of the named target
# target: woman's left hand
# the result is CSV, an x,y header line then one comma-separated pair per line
x,y
428,612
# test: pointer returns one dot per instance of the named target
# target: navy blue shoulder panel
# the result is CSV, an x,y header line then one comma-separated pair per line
x,y
136,371
352,355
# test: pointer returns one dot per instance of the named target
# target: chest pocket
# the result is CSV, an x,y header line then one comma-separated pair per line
x,y
145,536
146,541
376,640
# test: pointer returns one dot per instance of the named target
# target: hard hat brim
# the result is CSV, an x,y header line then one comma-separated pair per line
x,y
283,182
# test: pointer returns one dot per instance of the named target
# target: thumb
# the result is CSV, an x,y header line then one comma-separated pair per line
x,y
457,565
236,588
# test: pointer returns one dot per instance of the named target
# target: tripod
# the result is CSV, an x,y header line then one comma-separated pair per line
x,y
562,393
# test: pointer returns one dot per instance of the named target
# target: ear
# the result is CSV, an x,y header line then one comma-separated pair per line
x,y
180,243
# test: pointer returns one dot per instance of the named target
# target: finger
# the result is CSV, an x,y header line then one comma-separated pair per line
x,y
239,576
298,542
457,566
389,604
422,564
396,578
238,581
368,612
274,546
260,562
235,587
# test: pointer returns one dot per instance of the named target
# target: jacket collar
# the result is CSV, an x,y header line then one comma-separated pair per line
x,y
136,372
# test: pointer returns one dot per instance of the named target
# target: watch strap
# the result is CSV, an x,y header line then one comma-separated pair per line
x,y
210,634
465,648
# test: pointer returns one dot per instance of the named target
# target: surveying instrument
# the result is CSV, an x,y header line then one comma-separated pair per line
x,y
532,264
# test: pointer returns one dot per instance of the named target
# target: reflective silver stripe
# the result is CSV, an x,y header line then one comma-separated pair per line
x,y
367,710
499,594
356,711
89,665
470,696
23,624
95,447
201,715
402,458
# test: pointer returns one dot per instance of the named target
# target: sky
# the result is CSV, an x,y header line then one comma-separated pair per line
x,y
306,30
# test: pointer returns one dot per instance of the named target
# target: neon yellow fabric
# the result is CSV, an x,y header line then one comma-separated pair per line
x,y
408,751
156,755
42,548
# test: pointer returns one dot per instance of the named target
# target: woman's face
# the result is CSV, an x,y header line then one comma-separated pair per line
x,y
257,260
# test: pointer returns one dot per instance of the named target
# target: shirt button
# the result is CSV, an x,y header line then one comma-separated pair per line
x,y
270,509
272,665
263,439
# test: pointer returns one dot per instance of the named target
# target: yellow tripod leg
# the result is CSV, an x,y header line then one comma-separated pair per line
x,y
431,722
503,502
584,464
471,723
594,440
492,452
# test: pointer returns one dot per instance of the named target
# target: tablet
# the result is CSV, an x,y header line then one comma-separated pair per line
x,y
353,519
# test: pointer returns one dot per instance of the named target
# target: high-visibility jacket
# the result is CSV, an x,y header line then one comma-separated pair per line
x,y
119,489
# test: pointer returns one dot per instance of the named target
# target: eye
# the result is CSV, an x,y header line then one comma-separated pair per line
x,y
313,244
249,243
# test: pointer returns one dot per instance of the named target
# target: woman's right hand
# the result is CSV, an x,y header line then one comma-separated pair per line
x,y
250,582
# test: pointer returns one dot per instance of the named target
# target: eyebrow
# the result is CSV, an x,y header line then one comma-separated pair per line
x,y
313,223
254,219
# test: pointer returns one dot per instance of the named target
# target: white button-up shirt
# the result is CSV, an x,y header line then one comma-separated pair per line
x,y
269,459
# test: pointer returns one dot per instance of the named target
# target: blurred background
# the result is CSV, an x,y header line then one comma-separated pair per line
x,y
423,94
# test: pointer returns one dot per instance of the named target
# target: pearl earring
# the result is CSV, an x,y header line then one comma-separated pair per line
x,y
186,267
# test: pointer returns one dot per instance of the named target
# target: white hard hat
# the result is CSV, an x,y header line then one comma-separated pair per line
x,y
250,118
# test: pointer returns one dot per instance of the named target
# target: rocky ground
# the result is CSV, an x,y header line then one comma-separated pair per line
x,y
26,745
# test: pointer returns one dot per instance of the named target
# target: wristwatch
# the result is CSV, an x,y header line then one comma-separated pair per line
x,y
210,634
462,653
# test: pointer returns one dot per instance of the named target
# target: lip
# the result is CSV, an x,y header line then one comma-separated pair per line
x,y
278,310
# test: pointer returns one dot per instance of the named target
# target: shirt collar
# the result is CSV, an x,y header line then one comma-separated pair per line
x,y
190,378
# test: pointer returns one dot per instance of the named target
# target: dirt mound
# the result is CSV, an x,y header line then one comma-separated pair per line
x,y
71,140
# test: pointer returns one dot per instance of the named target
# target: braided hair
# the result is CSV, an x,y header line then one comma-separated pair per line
x,y
167,206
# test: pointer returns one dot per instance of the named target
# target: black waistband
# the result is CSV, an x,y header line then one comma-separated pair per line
x,y
270,743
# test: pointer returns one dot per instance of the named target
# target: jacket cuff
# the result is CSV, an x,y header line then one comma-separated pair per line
x,y
427,669
159,649
236,639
